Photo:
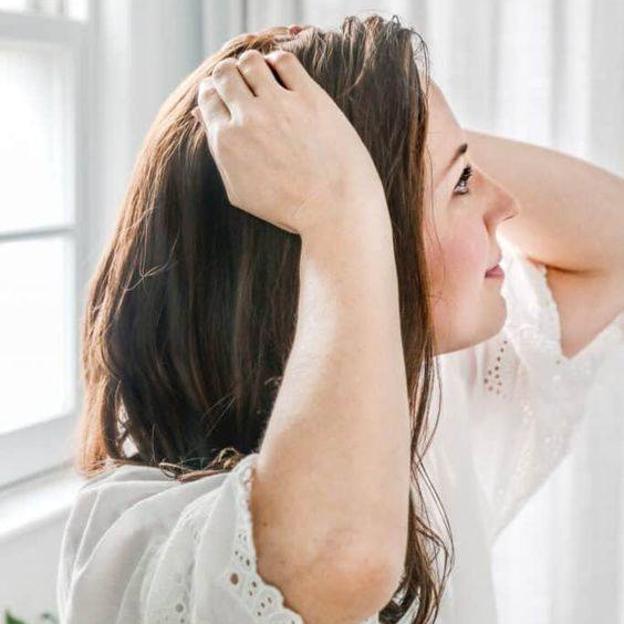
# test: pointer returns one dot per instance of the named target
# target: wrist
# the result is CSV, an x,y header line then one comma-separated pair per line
x,y
358,221
357,253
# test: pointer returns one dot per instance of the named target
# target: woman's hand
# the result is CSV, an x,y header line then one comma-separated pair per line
x,y
286,154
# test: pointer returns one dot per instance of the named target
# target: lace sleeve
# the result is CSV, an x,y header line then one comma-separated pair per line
x,y
141,548
263,601
528,397
238,594
217,580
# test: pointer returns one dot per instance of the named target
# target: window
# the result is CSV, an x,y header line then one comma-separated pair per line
x,y
42,52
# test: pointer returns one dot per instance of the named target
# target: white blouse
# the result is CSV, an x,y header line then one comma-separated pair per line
x,y
521,378
140,547
514,412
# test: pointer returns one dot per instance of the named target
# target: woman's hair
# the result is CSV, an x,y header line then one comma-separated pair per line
x,y
191,316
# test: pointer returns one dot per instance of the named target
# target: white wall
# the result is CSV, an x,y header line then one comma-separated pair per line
x,y
28,571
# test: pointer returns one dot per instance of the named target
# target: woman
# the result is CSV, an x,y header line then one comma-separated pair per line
x,y
393,266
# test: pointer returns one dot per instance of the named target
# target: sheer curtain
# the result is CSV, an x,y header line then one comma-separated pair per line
x,y
545,71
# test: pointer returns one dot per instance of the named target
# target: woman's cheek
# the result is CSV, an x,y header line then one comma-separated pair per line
x,y
457,256
467,253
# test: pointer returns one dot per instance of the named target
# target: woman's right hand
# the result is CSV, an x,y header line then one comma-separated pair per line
x,y
286,154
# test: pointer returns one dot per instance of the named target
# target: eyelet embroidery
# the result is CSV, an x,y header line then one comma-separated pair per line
x,y
262,600
497,375
557,379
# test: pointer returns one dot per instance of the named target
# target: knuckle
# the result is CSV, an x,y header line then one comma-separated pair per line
x,y
249,58
284,57
223,66
205,94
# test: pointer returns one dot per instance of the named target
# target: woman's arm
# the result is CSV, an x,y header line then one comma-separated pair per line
x,y
572,220
572,212
330,493
337,443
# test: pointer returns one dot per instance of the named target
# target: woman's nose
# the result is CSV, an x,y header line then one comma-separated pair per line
x,y
513,206
506,204
509,206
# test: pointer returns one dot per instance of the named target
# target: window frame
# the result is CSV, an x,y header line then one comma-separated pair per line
x,y
49,443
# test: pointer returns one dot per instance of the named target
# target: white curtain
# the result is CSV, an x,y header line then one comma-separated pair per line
x,y
549,72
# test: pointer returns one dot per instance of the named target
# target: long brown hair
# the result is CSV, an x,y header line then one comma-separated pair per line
x,y
191,316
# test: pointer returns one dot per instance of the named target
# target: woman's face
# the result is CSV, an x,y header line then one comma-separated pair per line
x,y
460,235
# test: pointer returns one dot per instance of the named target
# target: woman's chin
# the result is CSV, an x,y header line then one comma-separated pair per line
x,y
491,324
497,318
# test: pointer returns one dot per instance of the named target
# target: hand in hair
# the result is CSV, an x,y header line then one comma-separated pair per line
x,y
286,152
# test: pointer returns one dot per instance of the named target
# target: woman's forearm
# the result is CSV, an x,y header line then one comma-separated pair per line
x,y
571,212
333,475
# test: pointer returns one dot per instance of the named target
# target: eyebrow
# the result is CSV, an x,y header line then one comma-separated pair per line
x,y
460,150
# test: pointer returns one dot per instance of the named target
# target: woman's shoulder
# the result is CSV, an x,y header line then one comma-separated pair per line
x,y
133,488
136,522
117,497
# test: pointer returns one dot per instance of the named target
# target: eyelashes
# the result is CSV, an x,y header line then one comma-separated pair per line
x,y
462,184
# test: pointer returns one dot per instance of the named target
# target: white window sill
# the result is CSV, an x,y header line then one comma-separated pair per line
x,y
38,501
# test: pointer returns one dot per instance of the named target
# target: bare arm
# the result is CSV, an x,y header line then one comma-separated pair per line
x,y
572,220
330,493
338,441
572,212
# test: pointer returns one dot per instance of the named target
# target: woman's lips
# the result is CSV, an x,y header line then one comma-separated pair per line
x,y
497,271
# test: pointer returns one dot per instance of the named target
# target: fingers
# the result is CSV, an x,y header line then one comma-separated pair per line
x,y
257,73
210,104
235,84
290,70
231,86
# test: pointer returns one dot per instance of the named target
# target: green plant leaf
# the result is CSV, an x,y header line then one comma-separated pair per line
x,y
9,619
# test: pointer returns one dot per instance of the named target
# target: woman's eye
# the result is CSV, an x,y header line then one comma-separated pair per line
x,y
462,185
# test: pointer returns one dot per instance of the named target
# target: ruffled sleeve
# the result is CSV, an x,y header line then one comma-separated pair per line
x,y
527,398
140,547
